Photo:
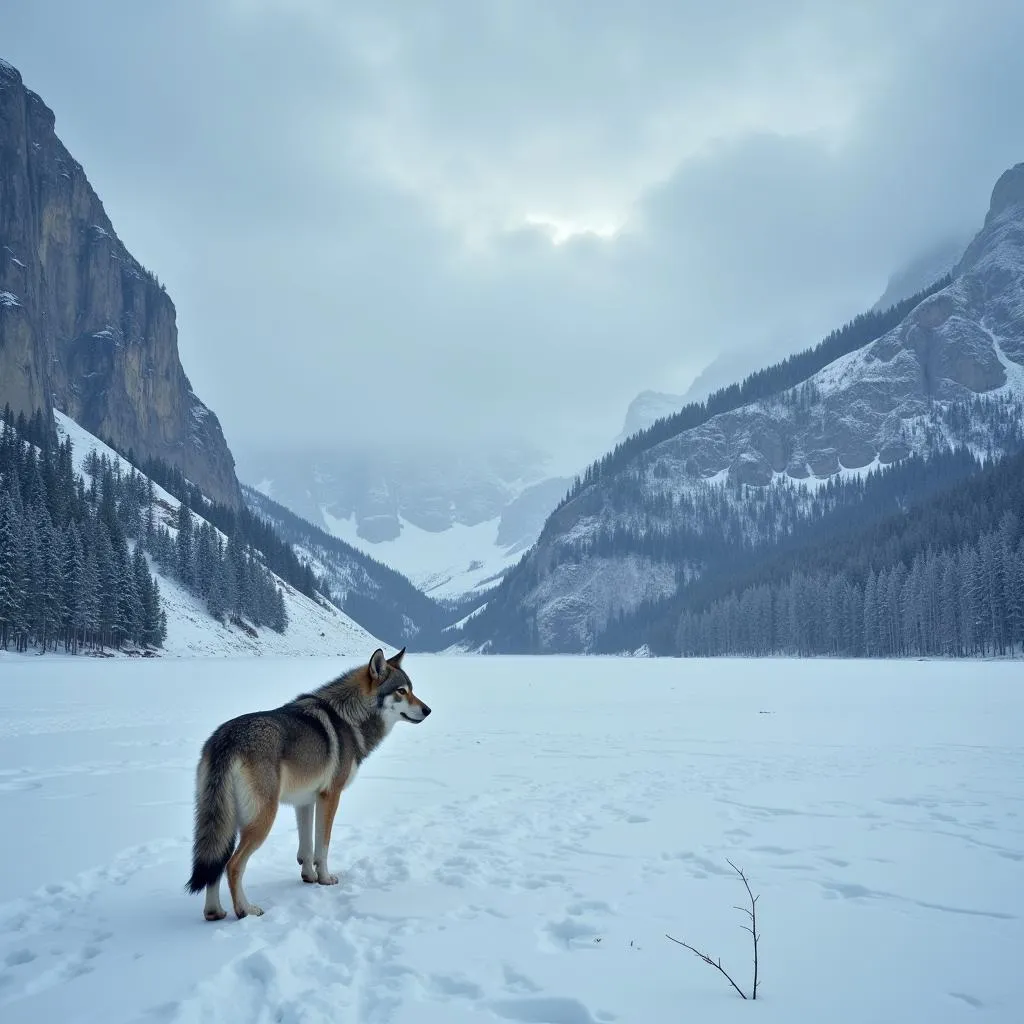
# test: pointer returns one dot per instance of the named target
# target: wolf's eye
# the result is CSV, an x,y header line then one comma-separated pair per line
x,y
401,691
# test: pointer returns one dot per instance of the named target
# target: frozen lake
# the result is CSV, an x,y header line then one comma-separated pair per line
x,y
521,855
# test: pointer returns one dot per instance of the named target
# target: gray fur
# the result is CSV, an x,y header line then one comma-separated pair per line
x,y
304,753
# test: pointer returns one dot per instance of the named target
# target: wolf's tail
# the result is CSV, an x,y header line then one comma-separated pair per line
x,y
215,824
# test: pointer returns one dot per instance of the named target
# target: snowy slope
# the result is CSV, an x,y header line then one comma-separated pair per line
x,y
449,563
313,628
451,520
381,599
530,875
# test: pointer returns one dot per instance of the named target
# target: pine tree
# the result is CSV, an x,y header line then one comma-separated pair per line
x,y
11,596
949,619
149,512
53,586
90,598
72,584
129,601
278,613
217,600
970,601
34,569
184,546
149,606
108,578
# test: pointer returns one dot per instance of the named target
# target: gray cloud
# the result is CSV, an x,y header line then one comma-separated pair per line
x,y
487,219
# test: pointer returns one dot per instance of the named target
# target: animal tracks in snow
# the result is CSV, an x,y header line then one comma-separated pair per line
x,y
531,876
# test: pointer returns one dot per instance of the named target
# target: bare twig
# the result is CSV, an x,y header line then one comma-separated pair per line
x,y
752,914
717,964
752,928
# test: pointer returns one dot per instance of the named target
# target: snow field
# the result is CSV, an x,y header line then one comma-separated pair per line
x,y
445,563
521,854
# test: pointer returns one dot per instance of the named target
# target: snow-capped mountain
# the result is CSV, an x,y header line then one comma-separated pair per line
x,y
659,510
381,599
726,368
315,627
451,521
648,407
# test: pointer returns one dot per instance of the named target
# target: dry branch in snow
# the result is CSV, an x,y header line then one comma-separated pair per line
x,y
752,928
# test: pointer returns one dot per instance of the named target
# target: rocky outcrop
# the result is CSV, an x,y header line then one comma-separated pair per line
x,y
84,327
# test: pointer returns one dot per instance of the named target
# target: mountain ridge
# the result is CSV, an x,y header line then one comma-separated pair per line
x,y
84,327
372,593
912,278
450,521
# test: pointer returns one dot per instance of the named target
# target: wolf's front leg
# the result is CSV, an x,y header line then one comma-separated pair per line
x,y
304,822
326,808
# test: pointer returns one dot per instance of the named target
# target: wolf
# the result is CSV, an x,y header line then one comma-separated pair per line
x,y
303,753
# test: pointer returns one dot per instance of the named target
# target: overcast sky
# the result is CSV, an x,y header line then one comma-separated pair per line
x,y
504,219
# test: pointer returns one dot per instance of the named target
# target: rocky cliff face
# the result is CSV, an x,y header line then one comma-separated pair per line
x,y
951,372
84,327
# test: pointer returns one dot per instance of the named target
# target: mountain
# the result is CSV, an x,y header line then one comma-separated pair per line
x,y
378,597
84,537
84,327
934,262
943,576
88,348
647,408
758,461
915,276
451,520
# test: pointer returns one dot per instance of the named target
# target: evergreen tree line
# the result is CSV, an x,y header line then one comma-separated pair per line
x,y
715,534
862,330
944,500
720,537
946,577
241,523
960,603
228,576
68,577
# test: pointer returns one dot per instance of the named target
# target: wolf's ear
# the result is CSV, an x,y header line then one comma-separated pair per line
x,y
396,659
378,666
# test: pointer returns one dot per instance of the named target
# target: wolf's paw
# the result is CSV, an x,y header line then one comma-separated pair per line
x,y
250,910
309,874
215,915
327,879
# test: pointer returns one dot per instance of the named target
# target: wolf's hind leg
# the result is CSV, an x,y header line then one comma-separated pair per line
x,y
253,836
304,823
213,909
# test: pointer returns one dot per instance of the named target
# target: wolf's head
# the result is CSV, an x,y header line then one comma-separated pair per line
x,y
392,689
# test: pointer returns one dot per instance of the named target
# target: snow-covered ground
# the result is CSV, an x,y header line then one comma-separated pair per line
x,y
313,627
521,855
